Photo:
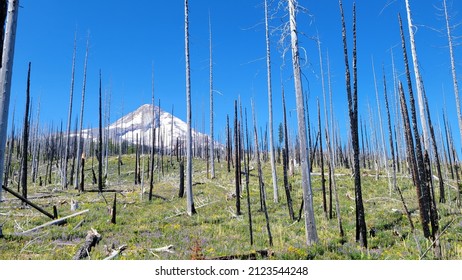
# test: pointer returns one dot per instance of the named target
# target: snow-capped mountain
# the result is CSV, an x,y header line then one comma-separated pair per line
x,y
139,124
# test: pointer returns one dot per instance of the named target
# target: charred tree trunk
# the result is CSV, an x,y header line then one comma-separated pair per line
x,y
100,141
25,140
237,169
260,180
418,180
247,180
361,229
323,179
285,160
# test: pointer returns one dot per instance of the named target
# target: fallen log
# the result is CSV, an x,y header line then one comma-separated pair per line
x,y
251,256
54,222
92,239
168,249
25,200
115,253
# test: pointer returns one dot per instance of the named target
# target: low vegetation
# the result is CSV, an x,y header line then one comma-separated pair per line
x,y
215,231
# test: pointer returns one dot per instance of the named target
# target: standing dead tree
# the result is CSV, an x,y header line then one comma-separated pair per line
x,y
418,78
212,144
285,160
361,229
237,167
100,140
189,195
310,223
453,70
418,169
25,138
6,72
80,158
260,179
153,139
69,117
270,108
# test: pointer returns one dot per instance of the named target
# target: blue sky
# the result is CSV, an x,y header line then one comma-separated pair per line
x,y
128,37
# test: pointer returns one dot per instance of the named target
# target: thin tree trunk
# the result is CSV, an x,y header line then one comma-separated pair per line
x,y
69,117
212,140
260,179
190,202
100,140
25,139
390,134
285,160
270,108
82,105
323,180
237,169
153,139
310,223
453,71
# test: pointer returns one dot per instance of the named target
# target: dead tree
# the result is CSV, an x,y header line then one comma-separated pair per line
x,y
100,140
247,180
422,194
453,71
153,139
260,179
25,139
310,223
212,144
361,228
321,155
6,72
92,239
237,169
80,156
390,134
285,160
418,78
69,117
190,202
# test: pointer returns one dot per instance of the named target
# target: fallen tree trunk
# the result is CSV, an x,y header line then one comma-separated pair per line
x,y
25,200
115,253
251,256
92,239
54,222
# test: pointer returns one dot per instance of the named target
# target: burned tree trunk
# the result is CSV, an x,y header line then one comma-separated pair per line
x,y
100,141
237,168
361,229
422,189
69,117
285,160
247,180
25,140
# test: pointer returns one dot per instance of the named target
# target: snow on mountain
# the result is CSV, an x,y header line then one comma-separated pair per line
x,y
139,124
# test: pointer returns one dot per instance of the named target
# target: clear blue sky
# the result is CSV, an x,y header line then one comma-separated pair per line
x,y
127,37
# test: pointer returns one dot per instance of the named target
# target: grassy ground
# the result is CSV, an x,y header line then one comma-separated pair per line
x,y
216,231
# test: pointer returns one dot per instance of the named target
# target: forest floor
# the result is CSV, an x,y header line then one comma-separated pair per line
x,y
216,231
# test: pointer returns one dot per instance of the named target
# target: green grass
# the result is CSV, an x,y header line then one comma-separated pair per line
x,y
215,231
